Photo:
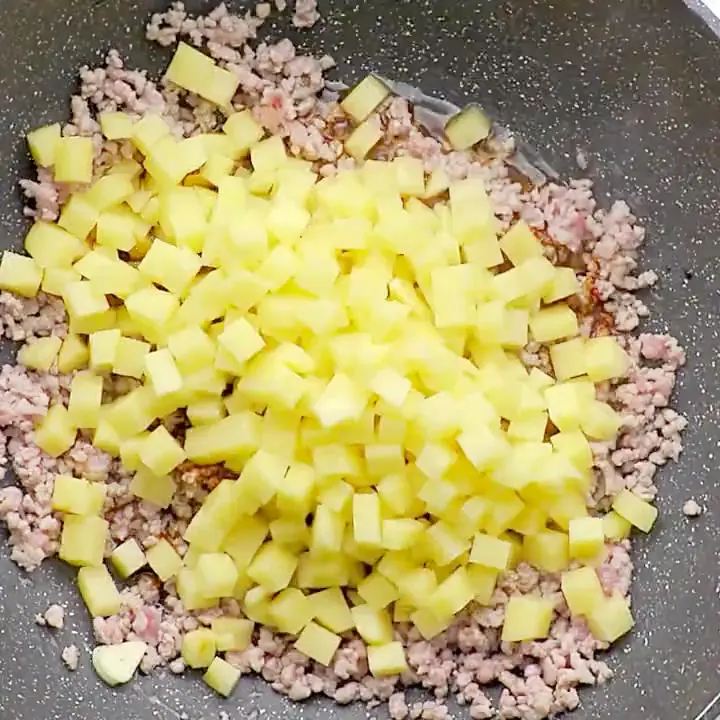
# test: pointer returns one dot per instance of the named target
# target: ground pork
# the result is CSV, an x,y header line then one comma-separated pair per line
x,y
692,508
287,94
71,657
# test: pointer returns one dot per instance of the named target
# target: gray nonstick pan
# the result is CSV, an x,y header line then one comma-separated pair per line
x,y
629,86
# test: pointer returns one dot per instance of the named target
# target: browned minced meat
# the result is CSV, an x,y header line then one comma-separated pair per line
x,y
286,92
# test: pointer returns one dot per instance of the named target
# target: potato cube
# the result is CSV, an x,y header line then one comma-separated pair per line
x,y
364,98
199,648
291,610
605,359
553,323
483,446
217,574
172,267
119,228
20,274
158,490
520,243
206,412
50,246
327,530
563,284
318,643
243,130
548,550
103,349
610,619
246,289
367,520
377,591
192,349
130,358
116,125
40,354
428,624
189,591
452,594
565,406
268,155
374,626
331,610
222,677
55,280
341,401
586,537
322,570
491,552
582,590
98,591
392,387
294,495
43,143
235,436
76,496
160,452
599,421
444,544
639,513
85,399
483,581
615,527
568,358
162,372
132,413
82,541
152,310
74,160
527,618
273,567
363,139
232,634
164,560
435,459
401,533
385,660
73,355
127,558
190,69
263,474
110,191
56,433
241,340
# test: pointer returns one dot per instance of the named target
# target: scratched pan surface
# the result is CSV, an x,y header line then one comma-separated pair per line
x,y
634,85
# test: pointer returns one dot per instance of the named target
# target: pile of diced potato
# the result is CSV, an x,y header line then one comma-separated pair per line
x,y
346,348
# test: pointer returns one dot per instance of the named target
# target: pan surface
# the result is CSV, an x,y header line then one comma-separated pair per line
x,y
631,83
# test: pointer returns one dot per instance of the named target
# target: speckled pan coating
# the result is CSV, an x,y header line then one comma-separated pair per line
x,y
631,83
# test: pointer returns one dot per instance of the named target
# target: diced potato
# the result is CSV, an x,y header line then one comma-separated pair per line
x,y
373,626
362,100
482,446
639,513
527,618
586,537
110,191
401,533
164,560
599,421
389,659
103,349
564,283
615,527
189,590
222,677
159,490
73,355
130,357
553,323
217,573
605,359
367,520
56,433
241,340
43,143
363,139
127,558
428,624
98,591
77,496
74,160
377,591
244,130
483,581
547,550
610,619
199,648
582,590
20,274
116,125
40,354
452,594
232,634
160,452
291,610
318,643
116,664
152,310
520,243
568,359
273,567
85,399
82,542
490,552
468,127
50,246
162,372
332,611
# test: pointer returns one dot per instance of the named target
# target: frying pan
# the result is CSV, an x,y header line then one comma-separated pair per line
x,y
631,83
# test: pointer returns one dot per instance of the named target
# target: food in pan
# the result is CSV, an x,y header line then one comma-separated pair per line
x,y
307,391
